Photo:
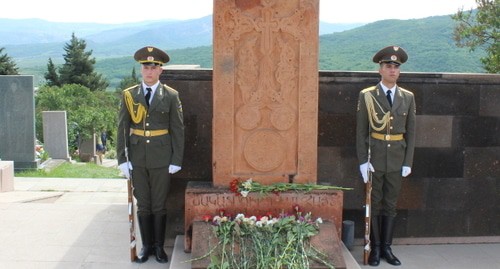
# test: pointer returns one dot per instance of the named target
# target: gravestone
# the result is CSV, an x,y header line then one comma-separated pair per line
x,y
87,149
55,134
265,83
17,121
265,118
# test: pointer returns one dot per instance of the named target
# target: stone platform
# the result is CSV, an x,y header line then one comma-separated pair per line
x,y
327,242
202,198
6,176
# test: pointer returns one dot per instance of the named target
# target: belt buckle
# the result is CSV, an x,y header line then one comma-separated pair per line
x,y
387,137
147,133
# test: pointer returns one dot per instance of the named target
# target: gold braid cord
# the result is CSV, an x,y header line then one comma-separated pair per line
x,y
372,113
138,115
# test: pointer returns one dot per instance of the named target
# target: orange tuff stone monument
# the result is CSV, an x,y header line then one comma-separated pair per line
x,y
265,83
265,118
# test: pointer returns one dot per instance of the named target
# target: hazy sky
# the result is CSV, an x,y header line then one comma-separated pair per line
x,y
113,11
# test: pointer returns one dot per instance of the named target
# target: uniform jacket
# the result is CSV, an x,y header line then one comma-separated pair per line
x,y
165,112
388,156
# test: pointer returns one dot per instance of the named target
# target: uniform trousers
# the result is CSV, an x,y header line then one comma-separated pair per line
x,y
385,192
151,187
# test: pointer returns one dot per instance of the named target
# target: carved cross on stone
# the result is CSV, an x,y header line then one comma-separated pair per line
x,y
265,90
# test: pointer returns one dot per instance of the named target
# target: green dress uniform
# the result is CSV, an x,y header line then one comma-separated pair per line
x,y
391,143
149,151
385,138
153,139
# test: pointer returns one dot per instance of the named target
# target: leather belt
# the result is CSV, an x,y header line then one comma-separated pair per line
x,y
149,133
387,137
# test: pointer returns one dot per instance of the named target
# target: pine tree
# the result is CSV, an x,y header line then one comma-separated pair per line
x,y
7,65
128,81
51,75
79,66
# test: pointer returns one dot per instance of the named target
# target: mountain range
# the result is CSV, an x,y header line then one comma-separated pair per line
x,y
348,47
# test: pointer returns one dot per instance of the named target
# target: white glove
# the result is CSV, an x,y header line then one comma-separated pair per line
x,y
363,168
405,171
172,169
125,168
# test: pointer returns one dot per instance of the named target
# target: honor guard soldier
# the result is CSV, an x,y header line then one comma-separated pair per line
x,y
150,147
385,143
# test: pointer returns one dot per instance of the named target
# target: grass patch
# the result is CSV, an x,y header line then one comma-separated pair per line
x,y
78,170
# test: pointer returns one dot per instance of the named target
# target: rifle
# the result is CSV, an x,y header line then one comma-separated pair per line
x,y
131,217
368,204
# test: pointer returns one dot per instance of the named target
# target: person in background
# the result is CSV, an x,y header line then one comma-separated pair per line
x,y
151,133
100,149
385,143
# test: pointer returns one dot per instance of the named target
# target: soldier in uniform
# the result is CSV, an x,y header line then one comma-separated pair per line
x,y
151,131
385,143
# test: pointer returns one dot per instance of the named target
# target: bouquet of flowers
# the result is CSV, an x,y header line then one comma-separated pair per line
x,y
243,188
264,242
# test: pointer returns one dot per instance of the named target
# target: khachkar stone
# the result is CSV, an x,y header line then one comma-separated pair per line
x,y
17,121
265,82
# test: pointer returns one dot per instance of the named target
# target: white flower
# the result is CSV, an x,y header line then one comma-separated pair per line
x,y
247,184
319,220
244,193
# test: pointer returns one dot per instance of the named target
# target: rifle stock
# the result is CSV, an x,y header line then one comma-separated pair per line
x,y
131,220
368,194
131,216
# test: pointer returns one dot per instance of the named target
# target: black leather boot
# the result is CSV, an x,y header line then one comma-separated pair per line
x,y
374,258
146,229
387,230
159,235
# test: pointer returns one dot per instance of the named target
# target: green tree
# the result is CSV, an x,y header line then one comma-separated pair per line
x,y
480,29
7,65
87,111
129,81
51,75
79,66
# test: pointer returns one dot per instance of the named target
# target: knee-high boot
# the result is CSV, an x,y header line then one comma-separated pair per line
x,y
374,258
159,237
387,230
146,229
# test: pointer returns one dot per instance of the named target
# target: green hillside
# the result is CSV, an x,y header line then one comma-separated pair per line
x,y
428,42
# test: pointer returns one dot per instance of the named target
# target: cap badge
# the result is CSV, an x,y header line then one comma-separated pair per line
x,y
396,48
150,49
151,58
394,58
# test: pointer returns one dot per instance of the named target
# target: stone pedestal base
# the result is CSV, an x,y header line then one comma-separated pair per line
x,y
6,176
202,198
327,242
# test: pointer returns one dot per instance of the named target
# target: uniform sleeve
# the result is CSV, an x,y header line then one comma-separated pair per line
x,y
177,130
410,133
362,130
123,131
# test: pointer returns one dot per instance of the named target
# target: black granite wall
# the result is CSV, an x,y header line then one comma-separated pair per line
x,y
454,189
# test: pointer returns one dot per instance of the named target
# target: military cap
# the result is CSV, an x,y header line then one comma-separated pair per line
x,y
151,56
391,54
